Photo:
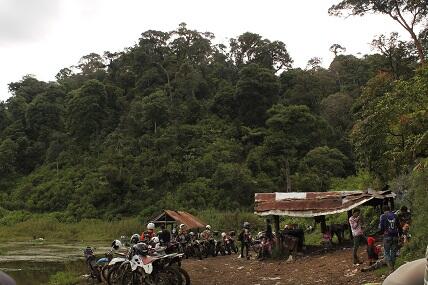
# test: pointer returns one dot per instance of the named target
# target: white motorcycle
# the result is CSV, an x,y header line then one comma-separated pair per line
x,y
141,268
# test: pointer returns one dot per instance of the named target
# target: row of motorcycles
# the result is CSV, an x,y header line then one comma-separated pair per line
x,y
145,263
193,245
152,263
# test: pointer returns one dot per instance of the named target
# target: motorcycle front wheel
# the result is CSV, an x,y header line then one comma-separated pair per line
x,y
185,276
130,277
169,276
113,277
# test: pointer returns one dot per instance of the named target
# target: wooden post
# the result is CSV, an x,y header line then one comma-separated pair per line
x,y
276,221
277,235
350,230
323,224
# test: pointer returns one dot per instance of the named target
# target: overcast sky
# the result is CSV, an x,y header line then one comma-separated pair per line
x,y
40,37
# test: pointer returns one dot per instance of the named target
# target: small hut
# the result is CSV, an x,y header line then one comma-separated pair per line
x,y
168,217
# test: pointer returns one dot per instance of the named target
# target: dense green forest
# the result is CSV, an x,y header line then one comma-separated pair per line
x,y
179,122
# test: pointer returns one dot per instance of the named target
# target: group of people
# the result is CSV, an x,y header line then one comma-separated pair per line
x,y
394,227
291,237
180,233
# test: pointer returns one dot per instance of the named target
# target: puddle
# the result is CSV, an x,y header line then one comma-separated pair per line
x,y
31,263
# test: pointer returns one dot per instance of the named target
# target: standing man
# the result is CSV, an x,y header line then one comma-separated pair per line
x,y
164,235
356,223
389,226
245,239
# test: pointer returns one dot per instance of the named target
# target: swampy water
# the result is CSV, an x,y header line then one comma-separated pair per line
x,y
31,263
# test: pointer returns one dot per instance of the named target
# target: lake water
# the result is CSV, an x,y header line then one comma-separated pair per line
x,y
31,263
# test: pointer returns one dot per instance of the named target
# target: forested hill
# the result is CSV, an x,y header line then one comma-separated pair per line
x,y
177,121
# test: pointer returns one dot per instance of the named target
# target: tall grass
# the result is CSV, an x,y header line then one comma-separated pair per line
x,y
50,228
64,278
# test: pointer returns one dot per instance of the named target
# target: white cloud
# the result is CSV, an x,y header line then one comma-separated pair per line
x,y
59,32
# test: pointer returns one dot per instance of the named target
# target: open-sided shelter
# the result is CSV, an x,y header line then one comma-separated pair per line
x,y
317,204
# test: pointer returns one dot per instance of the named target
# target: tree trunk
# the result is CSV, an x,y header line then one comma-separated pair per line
x,y
419,47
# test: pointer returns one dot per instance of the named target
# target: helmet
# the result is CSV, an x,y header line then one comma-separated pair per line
x,y
223,235
192,233
140,249
135,238
150,226
208,227
182,226
116,244
155,240
246,225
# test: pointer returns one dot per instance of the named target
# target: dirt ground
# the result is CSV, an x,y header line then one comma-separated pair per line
x,y
333,267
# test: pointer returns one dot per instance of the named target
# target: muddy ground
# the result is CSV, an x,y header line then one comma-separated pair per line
x,y
333,267
33,263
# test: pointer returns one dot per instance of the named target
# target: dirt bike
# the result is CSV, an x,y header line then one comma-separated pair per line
x,y
230,246
209,248
141,268
220,247
113,275
197,249
97,268
256,245
174,259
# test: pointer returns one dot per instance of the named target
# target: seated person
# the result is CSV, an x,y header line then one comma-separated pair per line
x,y
372,250
327,238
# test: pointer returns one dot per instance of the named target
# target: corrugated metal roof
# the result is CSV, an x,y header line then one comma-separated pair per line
x,y
311,204
179,217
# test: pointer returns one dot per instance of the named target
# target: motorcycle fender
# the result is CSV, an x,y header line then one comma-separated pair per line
x,y
117,260
136,262
148,268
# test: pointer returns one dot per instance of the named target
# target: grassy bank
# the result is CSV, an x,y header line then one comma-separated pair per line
x,y
18,225
50,228
23,226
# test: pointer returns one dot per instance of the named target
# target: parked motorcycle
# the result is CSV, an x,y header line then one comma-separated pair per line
x,y
141,268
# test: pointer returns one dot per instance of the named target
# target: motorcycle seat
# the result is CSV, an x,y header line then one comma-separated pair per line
x,y
148,259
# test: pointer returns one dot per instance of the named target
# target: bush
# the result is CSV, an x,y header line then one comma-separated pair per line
x,y
419,200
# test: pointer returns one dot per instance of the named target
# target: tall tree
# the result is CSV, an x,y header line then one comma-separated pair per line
x,y
408,13
399,54
336,49
86,113
256,91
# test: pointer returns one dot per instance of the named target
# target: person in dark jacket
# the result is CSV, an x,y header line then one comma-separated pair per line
x,y
245,239
164,235
389,226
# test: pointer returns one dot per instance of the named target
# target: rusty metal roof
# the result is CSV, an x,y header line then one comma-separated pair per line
x,y
311,204
180,217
